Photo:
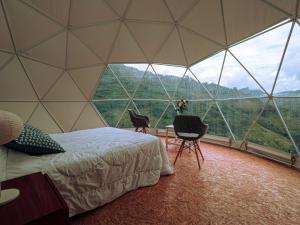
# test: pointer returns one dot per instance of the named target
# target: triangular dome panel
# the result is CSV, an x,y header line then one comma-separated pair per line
x,y
65,113
130,75
28,26
217,125
41,75
150,87
154,10
288,81
22,109
208,71
111,110
153,109
180,7
99,38
261,56
168,117
126,49
118,6
198,20
172,51
88,119
170,76
287,6
198,108
244,113
87,79
64,90
196,47
41,119
125,121
108,83
13,75
290,111
78,54
245,18
5,39
4,58
236,82
56,9
190,88
90,12
270,134
150,35
52,52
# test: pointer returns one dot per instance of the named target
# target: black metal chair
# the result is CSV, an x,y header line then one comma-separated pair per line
x,y
140,122
189,129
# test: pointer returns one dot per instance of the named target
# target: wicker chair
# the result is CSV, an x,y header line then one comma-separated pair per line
x,y
189,129
140,122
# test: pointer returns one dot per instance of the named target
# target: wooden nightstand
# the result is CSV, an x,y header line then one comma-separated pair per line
x,y
39,202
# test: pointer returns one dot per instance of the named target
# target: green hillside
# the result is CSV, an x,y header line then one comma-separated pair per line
x,y
151,99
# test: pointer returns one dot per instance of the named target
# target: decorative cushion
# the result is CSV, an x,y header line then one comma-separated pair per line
x,y
34,141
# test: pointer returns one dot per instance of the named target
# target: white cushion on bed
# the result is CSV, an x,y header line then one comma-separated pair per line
x,y
98,166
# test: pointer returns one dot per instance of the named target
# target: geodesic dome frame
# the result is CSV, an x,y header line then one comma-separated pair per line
x,y
52,52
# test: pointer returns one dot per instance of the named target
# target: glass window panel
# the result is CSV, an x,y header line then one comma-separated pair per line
x,y
190,88
198,108
125,122
216,123
269,131
240,114
109,87
208,71
152,109
236,82
169,76
288,83
111,110
150,87
261,55
168,117
290,111
130,75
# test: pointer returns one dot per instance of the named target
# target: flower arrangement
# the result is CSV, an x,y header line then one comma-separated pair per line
x,y
181,105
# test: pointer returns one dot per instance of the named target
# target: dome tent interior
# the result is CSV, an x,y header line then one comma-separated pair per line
x,y
68,64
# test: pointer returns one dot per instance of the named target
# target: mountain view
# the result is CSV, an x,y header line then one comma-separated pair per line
x,y
112,98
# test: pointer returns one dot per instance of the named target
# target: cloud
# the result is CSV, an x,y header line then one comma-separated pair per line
x,y
261,56
209,69
169,70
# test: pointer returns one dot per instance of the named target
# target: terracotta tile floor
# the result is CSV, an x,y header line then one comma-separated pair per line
x,y
232,188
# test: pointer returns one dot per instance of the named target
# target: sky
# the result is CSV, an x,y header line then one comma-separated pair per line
x,y
261,56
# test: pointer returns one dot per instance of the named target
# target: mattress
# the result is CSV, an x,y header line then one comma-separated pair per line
x,y
99,165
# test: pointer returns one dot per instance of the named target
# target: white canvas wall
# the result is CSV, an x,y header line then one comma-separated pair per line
x,y
52,52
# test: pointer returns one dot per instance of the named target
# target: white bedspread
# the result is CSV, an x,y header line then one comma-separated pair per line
x,y
98,166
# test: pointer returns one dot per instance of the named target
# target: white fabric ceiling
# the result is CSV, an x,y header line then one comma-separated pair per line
x,y
52,52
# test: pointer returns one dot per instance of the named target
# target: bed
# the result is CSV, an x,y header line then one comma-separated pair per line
x,y
99,165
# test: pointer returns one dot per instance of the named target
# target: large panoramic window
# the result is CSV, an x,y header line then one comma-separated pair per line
x,y
249,92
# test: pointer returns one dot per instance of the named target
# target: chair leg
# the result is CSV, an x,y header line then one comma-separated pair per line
x,y
179,151
195,150
199,150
